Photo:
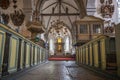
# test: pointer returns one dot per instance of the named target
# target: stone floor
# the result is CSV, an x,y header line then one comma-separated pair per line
x,y
57,70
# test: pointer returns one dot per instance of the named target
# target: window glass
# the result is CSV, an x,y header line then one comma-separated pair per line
x,y
67,44
51,45
96,28
119,8
83,28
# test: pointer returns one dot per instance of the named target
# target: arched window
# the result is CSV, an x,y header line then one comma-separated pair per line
x,y
67,44
51,47
118,7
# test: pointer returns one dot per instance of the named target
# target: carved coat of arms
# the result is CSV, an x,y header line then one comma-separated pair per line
x,y
107,8
4,4
17,17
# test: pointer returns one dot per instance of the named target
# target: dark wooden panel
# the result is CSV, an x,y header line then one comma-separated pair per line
x,y
6,55
19,55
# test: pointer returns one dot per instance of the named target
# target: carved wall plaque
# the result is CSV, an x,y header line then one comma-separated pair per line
x,y
17,17
4,4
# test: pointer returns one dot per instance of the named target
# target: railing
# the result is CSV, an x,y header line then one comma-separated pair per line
x,y
98,53
18,53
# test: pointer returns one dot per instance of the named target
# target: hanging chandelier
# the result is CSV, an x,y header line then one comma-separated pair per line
x,y
58,26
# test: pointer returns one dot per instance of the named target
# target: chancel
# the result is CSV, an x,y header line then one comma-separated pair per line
x,y
59,45
59,39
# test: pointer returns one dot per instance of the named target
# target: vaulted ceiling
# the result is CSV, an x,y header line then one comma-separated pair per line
x,y
81,4
66,11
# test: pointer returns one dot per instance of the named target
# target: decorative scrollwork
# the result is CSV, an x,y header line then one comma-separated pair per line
x,y
4,4
5,18
17,17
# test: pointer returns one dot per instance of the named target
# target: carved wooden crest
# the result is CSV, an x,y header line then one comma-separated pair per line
x,y
109,29
4,4
107,9
5,18
17,17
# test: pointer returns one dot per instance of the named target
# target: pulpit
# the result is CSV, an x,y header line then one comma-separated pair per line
x,y
35,27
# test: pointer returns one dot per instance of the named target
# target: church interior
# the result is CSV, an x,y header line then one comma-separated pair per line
x,y
59,39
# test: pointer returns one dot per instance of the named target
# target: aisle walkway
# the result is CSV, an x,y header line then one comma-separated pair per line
x,y
57,70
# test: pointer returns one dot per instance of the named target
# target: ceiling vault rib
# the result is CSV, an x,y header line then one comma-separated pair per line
x,y
48,22
48,6
59,1
82,8
62,14
70,5
50,17
68,18
38,7
85,3
80,4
